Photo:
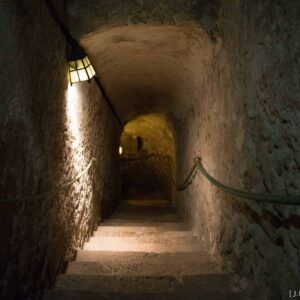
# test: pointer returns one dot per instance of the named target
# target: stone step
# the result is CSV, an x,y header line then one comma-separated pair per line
x,y
142,228
156,233
184,237
120,244
98,256
144,218
142,223
145,284
146,209
120,284
97,295
143,252
136,263
148,203
158,206
122,220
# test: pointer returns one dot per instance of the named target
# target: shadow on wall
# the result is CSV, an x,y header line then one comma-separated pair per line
x,y
148,158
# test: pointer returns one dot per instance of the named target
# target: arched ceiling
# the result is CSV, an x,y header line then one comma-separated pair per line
x,y
150,66
88,16
156,132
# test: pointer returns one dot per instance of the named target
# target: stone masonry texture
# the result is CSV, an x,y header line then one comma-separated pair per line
x,y
224,73
48,134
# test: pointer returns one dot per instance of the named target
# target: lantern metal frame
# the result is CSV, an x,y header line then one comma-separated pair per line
x,y
79,65
78,61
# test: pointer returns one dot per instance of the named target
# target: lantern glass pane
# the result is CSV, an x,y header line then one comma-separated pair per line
x,y
80,70
72,65
86,61
89,70
74,77
80,64
93,71
83,75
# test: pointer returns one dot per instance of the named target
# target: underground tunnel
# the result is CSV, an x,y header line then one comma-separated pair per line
x,y
149,149
148,158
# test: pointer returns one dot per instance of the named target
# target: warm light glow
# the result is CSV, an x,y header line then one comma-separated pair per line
x,y
120,150
78,155
80,70
74,114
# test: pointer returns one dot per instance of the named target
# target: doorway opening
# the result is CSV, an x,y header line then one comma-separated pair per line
x,y
147,151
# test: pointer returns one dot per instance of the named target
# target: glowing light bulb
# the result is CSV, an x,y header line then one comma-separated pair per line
x,y
120,150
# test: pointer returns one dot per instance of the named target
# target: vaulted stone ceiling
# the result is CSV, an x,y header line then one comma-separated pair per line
x,y
148,54
148,68
88,16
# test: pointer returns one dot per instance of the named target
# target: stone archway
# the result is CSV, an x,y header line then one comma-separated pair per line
x,y
148,159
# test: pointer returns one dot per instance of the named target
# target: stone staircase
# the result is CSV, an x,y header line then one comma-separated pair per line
x,y
143,252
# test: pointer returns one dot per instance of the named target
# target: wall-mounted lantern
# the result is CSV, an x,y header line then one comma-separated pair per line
x,y
80,68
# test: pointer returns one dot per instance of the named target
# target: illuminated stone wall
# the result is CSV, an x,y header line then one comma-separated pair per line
x,y
48,133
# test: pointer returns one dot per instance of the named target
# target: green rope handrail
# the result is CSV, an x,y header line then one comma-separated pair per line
x,y
262,198
54,191
187,181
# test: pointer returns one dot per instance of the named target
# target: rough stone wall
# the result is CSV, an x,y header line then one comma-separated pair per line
x,y
48,133
92,15
247,128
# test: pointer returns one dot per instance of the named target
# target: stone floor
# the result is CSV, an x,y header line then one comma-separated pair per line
x,y
143,251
